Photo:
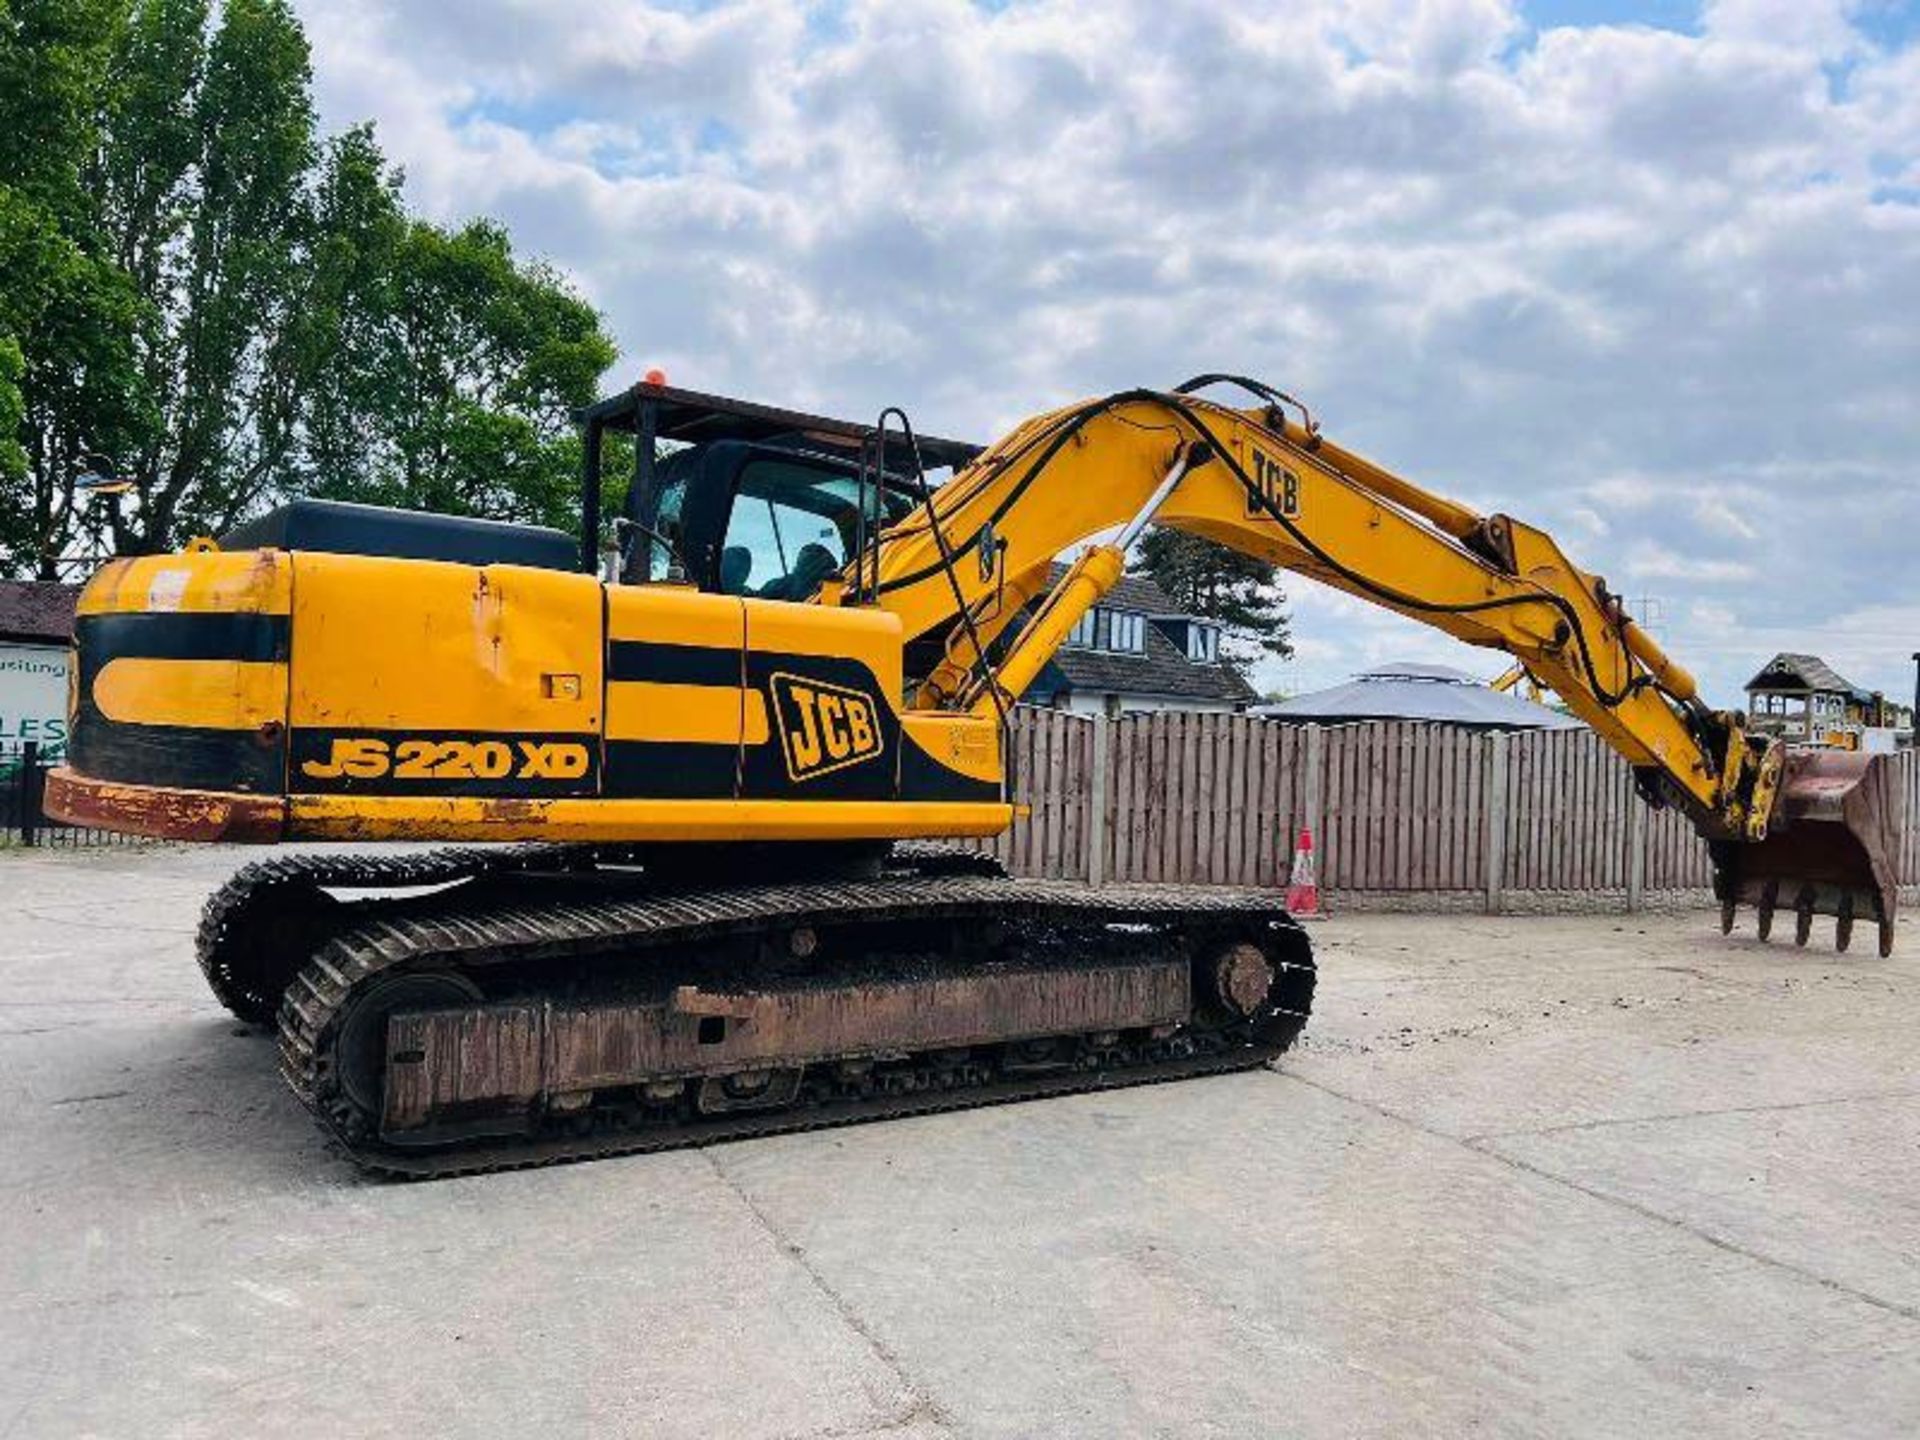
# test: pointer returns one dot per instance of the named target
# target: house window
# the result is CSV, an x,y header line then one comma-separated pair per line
x,y
1203,644
1120,631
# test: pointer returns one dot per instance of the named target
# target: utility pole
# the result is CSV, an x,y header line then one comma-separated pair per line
x,y
1650,614
1914,727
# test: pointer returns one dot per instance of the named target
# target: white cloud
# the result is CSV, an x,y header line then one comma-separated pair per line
x,y
1650,560
1717,514
1817,27
1589,520
1649,288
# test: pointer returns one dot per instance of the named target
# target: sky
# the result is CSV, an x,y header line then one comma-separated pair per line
x,y
1644,273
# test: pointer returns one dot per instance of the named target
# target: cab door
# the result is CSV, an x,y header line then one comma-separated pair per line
x,y
806,695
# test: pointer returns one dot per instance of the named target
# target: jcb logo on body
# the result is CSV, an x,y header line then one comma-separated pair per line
x,y
1276,485
823,727
373,758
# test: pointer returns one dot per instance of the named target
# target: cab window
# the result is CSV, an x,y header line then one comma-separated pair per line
x,y
673,475
791,527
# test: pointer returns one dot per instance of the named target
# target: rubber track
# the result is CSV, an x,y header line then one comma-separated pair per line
x,y
471,936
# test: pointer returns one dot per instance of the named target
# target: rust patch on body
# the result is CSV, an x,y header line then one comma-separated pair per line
x,y
163,814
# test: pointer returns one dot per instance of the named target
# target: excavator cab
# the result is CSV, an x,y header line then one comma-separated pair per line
x,y
755,519
742,499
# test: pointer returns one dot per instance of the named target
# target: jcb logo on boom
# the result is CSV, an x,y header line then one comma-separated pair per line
x,y
1276,485
824,727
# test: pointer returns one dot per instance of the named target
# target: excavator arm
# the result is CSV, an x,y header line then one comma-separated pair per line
x,y
966,567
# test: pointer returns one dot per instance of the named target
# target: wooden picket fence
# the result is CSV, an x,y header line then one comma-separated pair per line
x,y
1395,808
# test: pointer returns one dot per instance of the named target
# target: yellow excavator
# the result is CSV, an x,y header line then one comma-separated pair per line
x,y
727,745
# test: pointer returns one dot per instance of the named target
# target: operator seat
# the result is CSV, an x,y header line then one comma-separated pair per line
x,y
812,565
736,564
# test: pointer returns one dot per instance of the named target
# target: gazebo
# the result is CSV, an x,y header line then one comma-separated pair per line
x,y
1436,693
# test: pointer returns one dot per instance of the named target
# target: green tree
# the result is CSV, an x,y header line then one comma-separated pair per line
x,y
498,355
13,409
208,141
66,311
1239,591
347,329
466,363
199,287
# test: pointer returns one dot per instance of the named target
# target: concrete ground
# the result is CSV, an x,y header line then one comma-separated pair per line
x,y
1527,1177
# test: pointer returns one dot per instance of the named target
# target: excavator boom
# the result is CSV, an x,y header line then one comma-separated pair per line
x,y
1812,831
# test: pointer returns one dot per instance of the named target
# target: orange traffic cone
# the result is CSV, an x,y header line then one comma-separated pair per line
x,y
1303,890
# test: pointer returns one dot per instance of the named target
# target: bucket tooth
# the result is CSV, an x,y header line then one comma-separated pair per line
x,y
1803,916
1843,924
1769,897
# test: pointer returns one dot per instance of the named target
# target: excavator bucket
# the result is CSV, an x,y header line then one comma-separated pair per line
x,y
1832,848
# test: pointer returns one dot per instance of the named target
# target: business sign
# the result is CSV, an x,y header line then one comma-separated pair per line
x,y
33,696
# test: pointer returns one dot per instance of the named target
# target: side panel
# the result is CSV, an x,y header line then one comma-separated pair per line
x,y
677,706
947,758
408,699
831,683
415,677
180,677
688,708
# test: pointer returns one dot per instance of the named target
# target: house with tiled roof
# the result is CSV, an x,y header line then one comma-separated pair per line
x,y
37,612
1136,651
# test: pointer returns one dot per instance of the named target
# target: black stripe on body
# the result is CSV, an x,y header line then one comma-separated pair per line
x,y
179,757
686,770
922,777
670,770
662,664
176,635
316,747
764,774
